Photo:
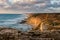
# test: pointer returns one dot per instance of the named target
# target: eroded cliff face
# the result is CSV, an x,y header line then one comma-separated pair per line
x,y
44,22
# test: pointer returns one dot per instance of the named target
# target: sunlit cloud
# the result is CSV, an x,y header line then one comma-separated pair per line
x,y
17,6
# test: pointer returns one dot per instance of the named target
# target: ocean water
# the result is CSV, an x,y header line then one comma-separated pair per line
x,y
12,21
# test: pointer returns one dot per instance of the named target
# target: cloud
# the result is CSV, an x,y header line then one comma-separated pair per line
x,y
29,6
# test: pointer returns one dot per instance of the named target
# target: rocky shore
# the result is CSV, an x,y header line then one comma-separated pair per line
x,y
14,34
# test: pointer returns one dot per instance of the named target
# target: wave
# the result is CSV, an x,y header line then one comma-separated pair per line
x,y
12,21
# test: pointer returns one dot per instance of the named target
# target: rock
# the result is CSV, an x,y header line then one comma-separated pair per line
x,y
14,34
9,34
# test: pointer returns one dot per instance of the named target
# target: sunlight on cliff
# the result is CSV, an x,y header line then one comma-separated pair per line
x,y
34,21
44,22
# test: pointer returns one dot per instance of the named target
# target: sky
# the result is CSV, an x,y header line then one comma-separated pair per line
x,y
12,21
29,6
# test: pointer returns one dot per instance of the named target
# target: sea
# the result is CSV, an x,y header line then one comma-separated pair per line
x,y
12,21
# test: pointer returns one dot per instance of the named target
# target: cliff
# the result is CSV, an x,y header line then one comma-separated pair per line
x,y
42,22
